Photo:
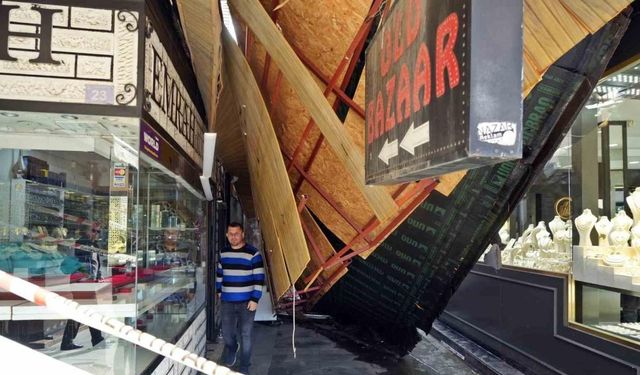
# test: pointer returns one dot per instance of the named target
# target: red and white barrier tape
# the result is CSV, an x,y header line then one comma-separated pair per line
x,y
85,315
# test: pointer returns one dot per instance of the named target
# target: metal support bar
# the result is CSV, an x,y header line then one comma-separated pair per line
x,y
386,231
352,54
337,91
341,256
348,56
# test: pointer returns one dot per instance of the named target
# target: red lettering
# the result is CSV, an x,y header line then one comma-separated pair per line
x,y
391,90
398,41
414,15
385,61
445,57
379,125
371,122
404,97
422,78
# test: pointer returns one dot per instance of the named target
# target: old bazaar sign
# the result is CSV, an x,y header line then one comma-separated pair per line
x,y
426,69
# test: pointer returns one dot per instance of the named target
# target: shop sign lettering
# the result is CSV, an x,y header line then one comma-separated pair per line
x,y
420,120
168,101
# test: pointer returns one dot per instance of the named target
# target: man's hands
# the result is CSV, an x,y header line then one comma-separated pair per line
x,y
252,306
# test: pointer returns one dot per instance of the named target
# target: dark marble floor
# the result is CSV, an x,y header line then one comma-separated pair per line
x,y
319,352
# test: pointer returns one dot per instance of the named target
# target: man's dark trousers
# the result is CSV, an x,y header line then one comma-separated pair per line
x,y
237,326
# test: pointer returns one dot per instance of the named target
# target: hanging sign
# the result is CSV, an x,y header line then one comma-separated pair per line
x,y
444,83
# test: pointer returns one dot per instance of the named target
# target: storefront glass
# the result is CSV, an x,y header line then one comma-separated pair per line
x,y
582,215
86,215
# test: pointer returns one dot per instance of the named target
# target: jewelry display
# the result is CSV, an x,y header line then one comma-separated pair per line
x,y
635,236
603,227
584,225
555,225
504,236
620,237
536,249
622,221
613,262
633,200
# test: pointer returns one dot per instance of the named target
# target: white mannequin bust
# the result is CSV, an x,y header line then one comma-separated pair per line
x,y
504,236
555,225
635,236
633,200
584,224
603,227
622,221
563,240
620,237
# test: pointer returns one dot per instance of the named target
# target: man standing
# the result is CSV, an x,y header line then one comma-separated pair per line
x,y
239,281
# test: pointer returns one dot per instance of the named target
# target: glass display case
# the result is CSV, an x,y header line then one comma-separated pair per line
x,y
90,217
581,217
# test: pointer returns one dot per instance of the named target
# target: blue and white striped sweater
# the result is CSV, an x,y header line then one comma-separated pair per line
x,y
240,274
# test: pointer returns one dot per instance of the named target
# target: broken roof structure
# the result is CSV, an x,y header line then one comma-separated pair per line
x,y
287,102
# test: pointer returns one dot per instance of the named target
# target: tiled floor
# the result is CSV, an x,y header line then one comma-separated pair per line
x,y
316,354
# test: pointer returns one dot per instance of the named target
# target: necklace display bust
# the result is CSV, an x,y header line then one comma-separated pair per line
x,y
603,227
622,221
584,223
635,236
633,200
620,237
555,225
504,236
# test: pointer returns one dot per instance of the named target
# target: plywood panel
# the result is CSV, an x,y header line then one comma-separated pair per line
x,y
230,147
308,91
202,26
325,250
275,205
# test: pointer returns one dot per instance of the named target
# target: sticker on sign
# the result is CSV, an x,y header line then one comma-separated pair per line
x,y
500,133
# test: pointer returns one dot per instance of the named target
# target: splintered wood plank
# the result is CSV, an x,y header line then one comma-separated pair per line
x,y
275,204
306,88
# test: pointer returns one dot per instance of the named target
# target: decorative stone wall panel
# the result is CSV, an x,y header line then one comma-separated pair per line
x,y
97,50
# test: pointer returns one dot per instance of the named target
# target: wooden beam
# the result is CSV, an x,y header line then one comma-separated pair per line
x,y
275,204
257,19
202,26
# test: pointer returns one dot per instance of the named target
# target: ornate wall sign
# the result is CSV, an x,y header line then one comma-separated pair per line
x,y
167,100
51,52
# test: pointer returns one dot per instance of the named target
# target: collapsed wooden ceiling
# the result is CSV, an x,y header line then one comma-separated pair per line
x,y
304,56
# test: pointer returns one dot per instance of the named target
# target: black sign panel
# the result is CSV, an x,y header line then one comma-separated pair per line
x,y
443,92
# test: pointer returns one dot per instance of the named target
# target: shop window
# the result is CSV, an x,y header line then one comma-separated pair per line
x,y
83,214
581,217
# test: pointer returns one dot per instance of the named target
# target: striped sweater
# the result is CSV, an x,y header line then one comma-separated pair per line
x,y
240,274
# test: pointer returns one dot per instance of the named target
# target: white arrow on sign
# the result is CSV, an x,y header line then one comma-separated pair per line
x,y
389,150
415,137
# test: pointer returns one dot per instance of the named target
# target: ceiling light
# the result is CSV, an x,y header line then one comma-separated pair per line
x,y
613,145
634,162
8,114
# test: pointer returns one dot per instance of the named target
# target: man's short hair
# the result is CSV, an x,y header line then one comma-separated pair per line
x,y
235,224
